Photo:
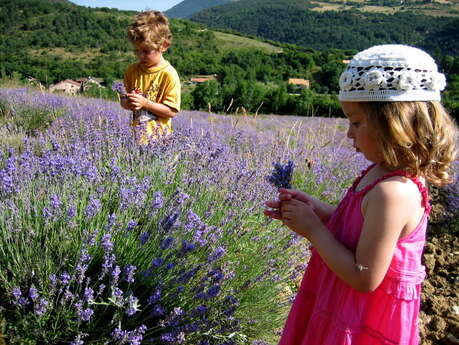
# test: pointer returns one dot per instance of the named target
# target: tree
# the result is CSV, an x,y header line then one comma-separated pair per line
x,y
208,96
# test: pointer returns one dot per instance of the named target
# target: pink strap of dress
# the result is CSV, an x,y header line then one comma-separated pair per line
x,y
422,188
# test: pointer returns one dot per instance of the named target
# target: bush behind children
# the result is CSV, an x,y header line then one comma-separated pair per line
x,y
363,282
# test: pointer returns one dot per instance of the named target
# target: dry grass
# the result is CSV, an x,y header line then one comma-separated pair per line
x,y
88,53
230,42
449,8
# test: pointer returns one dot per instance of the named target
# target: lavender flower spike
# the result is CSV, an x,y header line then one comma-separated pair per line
x,y
281,176
119,87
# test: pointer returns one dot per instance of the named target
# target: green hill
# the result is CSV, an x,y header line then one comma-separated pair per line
x,y
54,39
344,25
187,8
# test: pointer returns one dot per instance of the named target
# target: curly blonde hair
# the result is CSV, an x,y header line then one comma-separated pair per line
x,y
150,28
420,136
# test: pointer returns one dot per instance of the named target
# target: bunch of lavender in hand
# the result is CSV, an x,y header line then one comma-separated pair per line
x,y
119,88
281,176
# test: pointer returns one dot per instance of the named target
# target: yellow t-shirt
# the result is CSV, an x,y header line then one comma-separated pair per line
x,y
160,84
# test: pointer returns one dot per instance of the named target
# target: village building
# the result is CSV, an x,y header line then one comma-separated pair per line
x,y
76,86
300,83
66,86
202,79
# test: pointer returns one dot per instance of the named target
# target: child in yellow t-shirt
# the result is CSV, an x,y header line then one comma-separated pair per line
x,y
152,84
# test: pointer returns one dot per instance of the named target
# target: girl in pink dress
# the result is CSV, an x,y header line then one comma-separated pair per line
x,y
362,285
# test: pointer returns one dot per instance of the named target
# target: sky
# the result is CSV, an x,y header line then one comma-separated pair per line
x,y
135,5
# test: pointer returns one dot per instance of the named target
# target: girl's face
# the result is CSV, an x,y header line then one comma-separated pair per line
x,y
148,57
360,131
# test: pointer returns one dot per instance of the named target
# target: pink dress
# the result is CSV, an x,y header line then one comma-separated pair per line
x,y
327,311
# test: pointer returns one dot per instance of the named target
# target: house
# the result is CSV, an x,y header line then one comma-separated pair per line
x,y
67,86
300,83
202,79
346,61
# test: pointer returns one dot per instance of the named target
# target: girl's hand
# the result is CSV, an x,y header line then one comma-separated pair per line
x,y
289,194
322,209
284,195
300,217
274,209
137,100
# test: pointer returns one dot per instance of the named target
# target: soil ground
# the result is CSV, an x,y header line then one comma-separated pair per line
x,y
439,321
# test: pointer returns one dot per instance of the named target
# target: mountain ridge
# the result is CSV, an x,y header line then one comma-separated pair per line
x,y
187,8
297,22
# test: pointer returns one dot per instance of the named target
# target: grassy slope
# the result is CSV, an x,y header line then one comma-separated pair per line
x,y
435,8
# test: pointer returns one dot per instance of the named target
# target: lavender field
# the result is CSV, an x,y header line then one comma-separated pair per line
x,y
103,241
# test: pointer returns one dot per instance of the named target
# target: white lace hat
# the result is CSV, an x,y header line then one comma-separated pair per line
x,y
391,72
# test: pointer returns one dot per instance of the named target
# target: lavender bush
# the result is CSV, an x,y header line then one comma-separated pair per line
x,y
105,241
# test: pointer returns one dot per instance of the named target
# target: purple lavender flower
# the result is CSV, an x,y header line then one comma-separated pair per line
x,y
116,274
166,243
181,198
213,291
216,275
281,176
217,253
41,307
117,296
71,212
144,237
83,314
158,311
16,293
107,264
132,305
92,208
174,337
23,301
106,242
169,221
33,293
55,201
129,271
157,262
134,337
88,294
187,247
131,225
119,88
158,200
65,278
101,289
111,221
155,297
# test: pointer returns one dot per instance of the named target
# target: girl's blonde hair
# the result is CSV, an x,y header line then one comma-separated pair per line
x,y
418,136
150,28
